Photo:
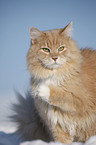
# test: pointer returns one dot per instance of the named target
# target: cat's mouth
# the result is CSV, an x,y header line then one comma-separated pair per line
x,y
52,66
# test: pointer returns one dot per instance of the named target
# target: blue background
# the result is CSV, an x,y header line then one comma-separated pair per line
x,y
17,16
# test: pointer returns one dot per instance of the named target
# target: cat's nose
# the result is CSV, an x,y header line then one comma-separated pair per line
x,y
54,58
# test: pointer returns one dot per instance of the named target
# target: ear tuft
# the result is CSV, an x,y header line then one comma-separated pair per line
x,y
67,31
35,34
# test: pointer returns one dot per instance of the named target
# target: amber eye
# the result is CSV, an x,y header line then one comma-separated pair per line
x,y
61,48
46,50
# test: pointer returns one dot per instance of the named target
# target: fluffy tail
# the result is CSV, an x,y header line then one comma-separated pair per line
x,y
29,124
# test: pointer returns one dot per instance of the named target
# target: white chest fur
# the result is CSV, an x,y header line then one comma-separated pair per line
x,y
43,90
51,81
53,115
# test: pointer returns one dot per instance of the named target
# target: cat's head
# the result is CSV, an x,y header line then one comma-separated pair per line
x,y
51,49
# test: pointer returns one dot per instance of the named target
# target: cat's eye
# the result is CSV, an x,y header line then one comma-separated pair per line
x,y
47,50
61,48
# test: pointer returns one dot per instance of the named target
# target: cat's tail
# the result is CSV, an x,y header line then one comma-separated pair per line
x,y
30,126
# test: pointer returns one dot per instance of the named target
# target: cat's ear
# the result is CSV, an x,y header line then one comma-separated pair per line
x,y
35,34
67,31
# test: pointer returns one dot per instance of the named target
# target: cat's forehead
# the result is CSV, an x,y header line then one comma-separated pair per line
x,y
52,34
52,38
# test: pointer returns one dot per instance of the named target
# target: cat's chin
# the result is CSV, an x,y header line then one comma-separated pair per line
x,y
53,66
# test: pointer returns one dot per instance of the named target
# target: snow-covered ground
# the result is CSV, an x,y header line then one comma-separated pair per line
x,y
91,141
7,136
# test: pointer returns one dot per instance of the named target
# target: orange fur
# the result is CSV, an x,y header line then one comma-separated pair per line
x,y
69,107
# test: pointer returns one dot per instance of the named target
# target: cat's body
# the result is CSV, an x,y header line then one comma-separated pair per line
x,y
75,115
63,84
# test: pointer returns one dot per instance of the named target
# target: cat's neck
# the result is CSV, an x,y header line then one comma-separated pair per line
x,y
57,76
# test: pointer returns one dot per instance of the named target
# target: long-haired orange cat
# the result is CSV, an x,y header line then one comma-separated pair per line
x,y
63,84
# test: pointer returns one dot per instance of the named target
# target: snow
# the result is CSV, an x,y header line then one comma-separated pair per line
x,y
91,141
39,142
8,137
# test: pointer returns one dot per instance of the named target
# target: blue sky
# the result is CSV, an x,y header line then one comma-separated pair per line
x,y
17,16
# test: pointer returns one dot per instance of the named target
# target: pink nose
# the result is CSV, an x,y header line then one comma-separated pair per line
x,y
54,58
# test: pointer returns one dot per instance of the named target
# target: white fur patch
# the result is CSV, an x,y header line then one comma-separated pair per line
x,y
52,115
43,92
65,122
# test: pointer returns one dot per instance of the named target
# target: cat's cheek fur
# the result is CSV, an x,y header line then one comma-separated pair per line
x,y
44,92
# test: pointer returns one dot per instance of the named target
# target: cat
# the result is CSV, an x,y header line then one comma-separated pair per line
x,y
63,84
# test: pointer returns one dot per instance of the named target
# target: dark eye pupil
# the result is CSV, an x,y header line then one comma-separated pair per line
x,y
61,48
46,49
